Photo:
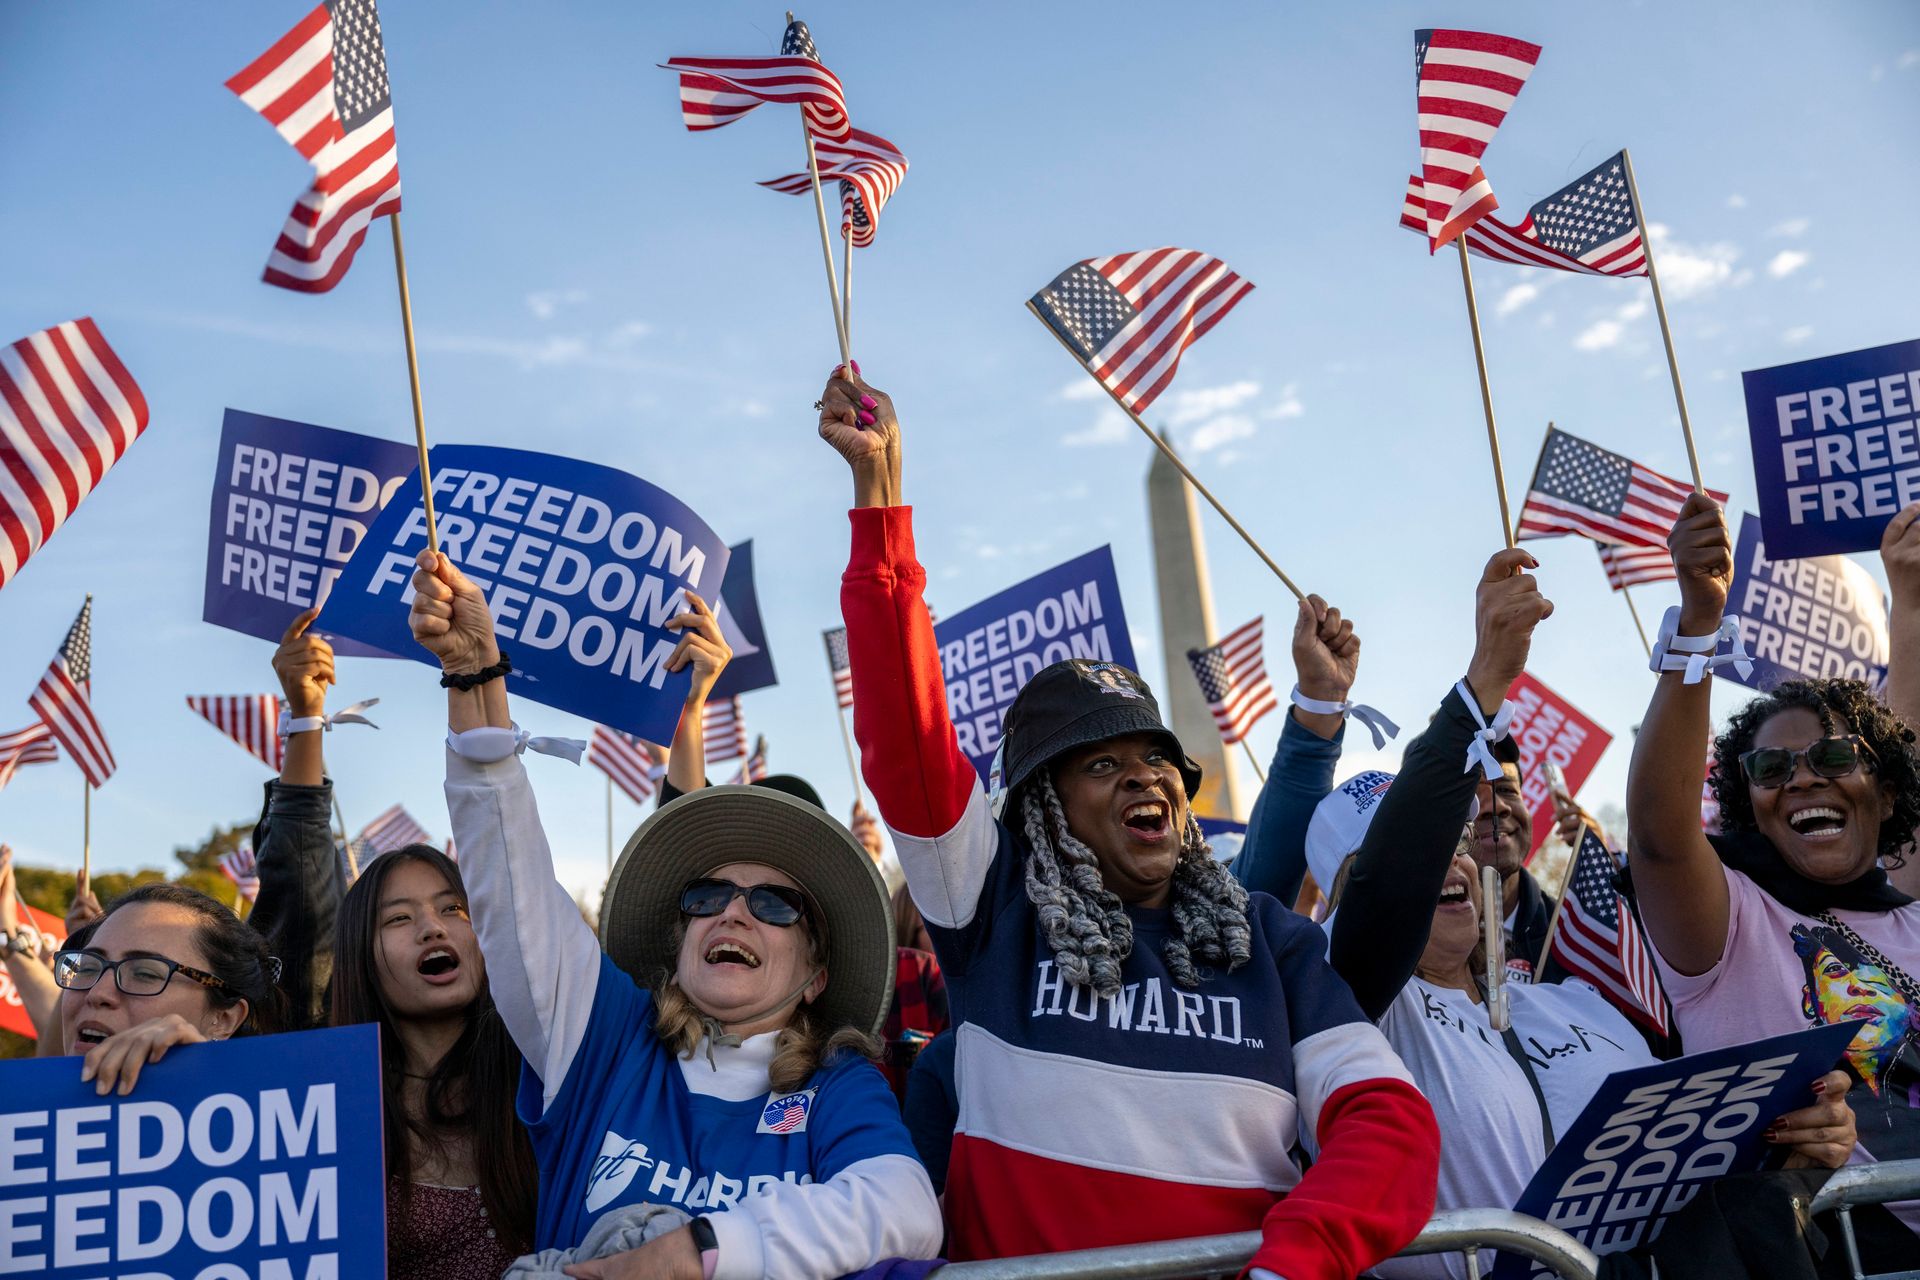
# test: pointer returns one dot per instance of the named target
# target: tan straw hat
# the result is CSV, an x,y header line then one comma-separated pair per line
x,y
708,829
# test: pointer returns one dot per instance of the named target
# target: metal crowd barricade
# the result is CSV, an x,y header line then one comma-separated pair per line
x,y
1859,1184
1464,1231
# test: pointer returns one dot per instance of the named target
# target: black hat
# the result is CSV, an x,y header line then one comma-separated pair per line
x,y
1071,704
793,785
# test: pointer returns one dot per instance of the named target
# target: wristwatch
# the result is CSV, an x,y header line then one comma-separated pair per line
x,y
22,942
703,1237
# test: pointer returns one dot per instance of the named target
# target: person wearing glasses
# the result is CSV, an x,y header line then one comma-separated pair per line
x,y
715,1059
1819,792
166,965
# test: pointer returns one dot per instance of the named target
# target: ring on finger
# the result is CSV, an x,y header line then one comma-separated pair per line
x,y
819,404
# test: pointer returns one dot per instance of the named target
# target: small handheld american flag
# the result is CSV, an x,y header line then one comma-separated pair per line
x,y
841,665
31,745
1233,677
718,91
1580,488
1128,317
241,868
622,758
1601,941
869,168
250,719
1466,82
64,701
754,767
1589,226
722,730
1630,566
323,87
393,829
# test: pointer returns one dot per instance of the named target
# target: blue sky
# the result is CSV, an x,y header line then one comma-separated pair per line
x,y
591,280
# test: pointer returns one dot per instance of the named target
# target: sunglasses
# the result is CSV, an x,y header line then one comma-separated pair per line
x,y
1770,767
135,976
773,904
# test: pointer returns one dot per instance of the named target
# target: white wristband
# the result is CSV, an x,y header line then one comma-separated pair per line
x,y
1698,656
346,715
1480,749
1377,723
490,743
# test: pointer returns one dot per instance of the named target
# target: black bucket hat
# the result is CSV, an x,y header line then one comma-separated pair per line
x,y
1071,704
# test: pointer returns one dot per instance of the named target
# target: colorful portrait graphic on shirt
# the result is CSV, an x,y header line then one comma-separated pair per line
x,y
1843,985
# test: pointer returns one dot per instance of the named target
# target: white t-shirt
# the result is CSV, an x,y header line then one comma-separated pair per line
x,y
1491,1142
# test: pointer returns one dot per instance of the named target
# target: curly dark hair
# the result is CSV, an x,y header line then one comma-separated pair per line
x,y
1892,742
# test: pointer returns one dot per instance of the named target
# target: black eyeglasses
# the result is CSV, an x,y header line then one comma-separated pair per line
x,y
135,976
773,904
1836,757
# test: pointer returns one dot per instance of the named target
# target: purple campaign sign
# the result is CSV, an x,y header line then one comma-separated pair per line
x,y
1836,447
988,652
582,566
291,502
1652,1137
1816,617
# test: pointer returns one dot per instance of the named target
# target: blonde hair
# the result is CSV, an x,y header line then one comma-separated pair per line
x,y
802,1047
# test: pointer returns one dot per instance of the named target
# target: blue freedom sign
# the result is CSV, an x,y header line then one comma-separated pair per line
x,y
1836,447
291,504
988,652
1652,1137
582,566
1817,617
738,614
248,1158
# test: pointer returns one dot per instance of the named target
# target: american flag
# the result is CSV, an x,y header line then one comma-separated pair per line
x,y
323,87
394,829
240,867
1601,941
1130,316
622,757
250,719
869,168
784,1115
1630,566
718,91
755,766
1466,82
63,701
1524,244
68,410
31,745
1582,489
842,666
1233,676
722,731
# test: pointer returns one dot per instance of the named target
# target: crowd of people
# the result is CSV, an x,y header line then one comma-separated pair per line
x,y
1089,1030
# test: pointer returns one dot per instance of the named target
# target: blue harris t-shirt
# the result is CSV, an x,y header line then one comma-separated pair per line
x,y
625,1129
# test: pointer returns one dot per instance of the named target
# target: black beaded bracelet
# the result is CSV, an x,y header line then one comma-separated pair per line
x,y
474,679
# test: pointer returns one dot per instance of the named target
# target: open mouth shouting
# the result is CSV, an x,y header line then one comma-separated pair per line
x,y
1147,820
1818,822
88,1034
1454,895
729,952
439,966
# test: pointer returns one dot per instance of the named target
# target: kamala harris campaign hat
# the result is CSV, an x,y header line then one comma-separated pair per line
x,y
1073,703
714,826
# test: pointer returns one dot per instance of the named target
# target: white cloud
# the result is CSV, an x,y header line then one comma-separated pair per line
x,y
1796,335
1786,262
628,334
1908,60
1598,336
1111,427
1188,406
1633,310
1792,227
1217,431
1736,201
1081,389
1690,270
1515,298
546,303
1288,405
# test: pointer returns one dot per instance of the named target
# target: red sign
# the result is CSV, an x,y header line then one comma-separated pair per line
x,y
13,1015
1548,728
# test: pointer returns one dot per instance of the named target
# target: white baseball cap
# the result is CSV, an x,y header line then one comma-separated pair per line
x,y
1340,823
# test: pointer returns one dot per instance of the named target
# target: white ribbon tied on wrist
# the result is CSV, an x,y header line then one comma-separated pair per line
x,y
1480,748
346,715
490,743
1698,656
1376,721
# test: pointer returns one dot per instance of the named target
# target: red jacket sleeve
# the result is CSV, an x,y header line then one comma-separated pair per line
x,y
1369,1194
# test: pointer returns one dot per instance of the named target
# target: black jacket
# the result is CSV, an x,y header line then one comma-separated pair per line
x,y
301,884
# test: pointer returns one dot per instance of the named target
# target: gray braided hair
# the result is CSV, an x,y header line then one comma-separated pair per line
x,y
1088,927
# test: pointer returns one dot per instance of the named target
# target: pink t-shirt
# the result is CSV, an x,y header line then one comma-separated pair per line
x,y
1782,971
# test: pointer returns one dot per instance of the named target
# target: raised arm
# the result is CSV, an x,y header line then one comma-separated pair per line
x,y
1900,554
928,792
703,646
300,878
39,994
543,962
1387,908
1682,891
1326,658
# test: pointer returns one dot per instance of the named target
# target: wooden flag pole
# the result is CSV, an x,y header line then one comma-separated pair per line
x,y
419,412
1627,595
853,761
1486,392
86,830
1254,760
346,841
1666,330
1180,466
846,287
826,243
1553,925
